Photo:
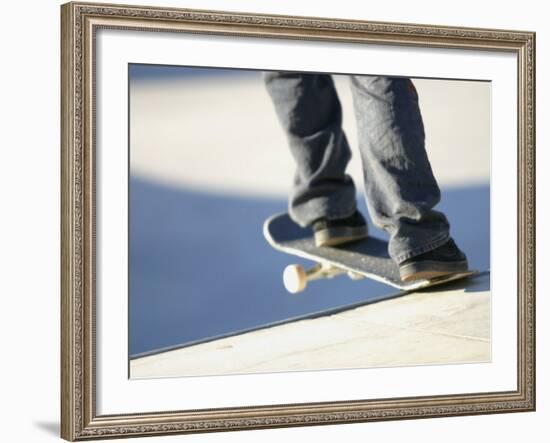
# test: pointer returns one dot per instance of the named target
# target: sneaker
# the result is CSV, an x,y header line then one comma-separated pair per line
x,y
343,230
444,260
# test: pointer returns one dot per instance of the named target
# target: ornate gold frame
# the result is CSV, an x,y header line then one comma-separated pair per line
x,y
79,21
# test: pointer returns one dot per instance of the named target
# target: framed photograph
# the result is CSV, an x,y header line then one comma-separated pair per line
x,y
277,221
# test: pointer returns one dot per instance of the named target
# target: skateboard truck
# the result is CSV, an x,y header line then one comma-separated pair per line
x,y
295,277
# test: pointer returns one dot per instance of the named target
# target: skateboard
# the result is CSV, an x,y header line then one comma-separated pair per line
x,y
367,258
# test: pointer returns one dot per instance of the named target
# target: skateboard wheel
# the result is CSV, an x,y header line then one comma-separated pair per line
x,y
294,278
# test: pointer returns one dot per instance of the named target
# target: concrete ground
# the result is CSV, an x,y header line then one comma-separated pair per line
x,y
436,326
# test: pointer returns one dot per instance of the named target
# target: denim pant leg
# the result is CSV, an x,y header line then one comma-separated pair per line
x,y
311,115
400,187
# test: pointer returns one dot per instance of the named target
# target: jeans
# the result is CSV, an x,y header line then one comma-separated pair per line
x,y
400,187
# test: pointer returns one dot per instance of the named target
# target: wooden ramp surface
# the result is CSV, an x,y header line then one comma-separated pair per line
x,y
448,324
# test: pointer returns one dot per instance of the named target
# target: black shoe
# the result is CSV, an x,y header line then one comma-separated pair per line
x,y
444,260
343,230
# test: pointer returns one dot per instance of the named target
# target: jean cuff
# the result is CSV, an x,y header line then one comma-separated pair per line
x,y
434,244
322,207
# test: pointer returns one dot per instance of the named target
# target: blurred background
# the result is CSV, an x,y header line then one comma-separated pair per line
x,y
209,163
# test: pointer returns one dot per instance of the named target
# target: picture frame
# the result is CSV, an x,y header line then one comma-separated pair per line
x,y
80,178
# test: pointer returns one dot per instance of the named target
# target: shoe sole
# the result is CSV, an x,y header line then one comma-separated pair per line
x,y
428,270
339,236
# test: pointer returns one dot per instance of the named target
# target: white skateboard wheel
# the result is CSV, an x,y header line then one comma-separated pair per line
x,y
294,278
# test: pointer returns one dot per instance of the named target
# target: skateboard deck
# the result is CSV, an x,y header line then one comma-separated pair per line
x,y
366,258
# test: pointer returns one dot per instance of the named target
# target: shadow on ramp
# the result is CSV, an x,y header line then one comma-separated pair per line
x,y
199,266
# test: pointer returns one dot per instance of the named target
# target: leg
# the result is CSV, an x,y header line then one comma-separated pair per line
x,y
309,110
400,187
